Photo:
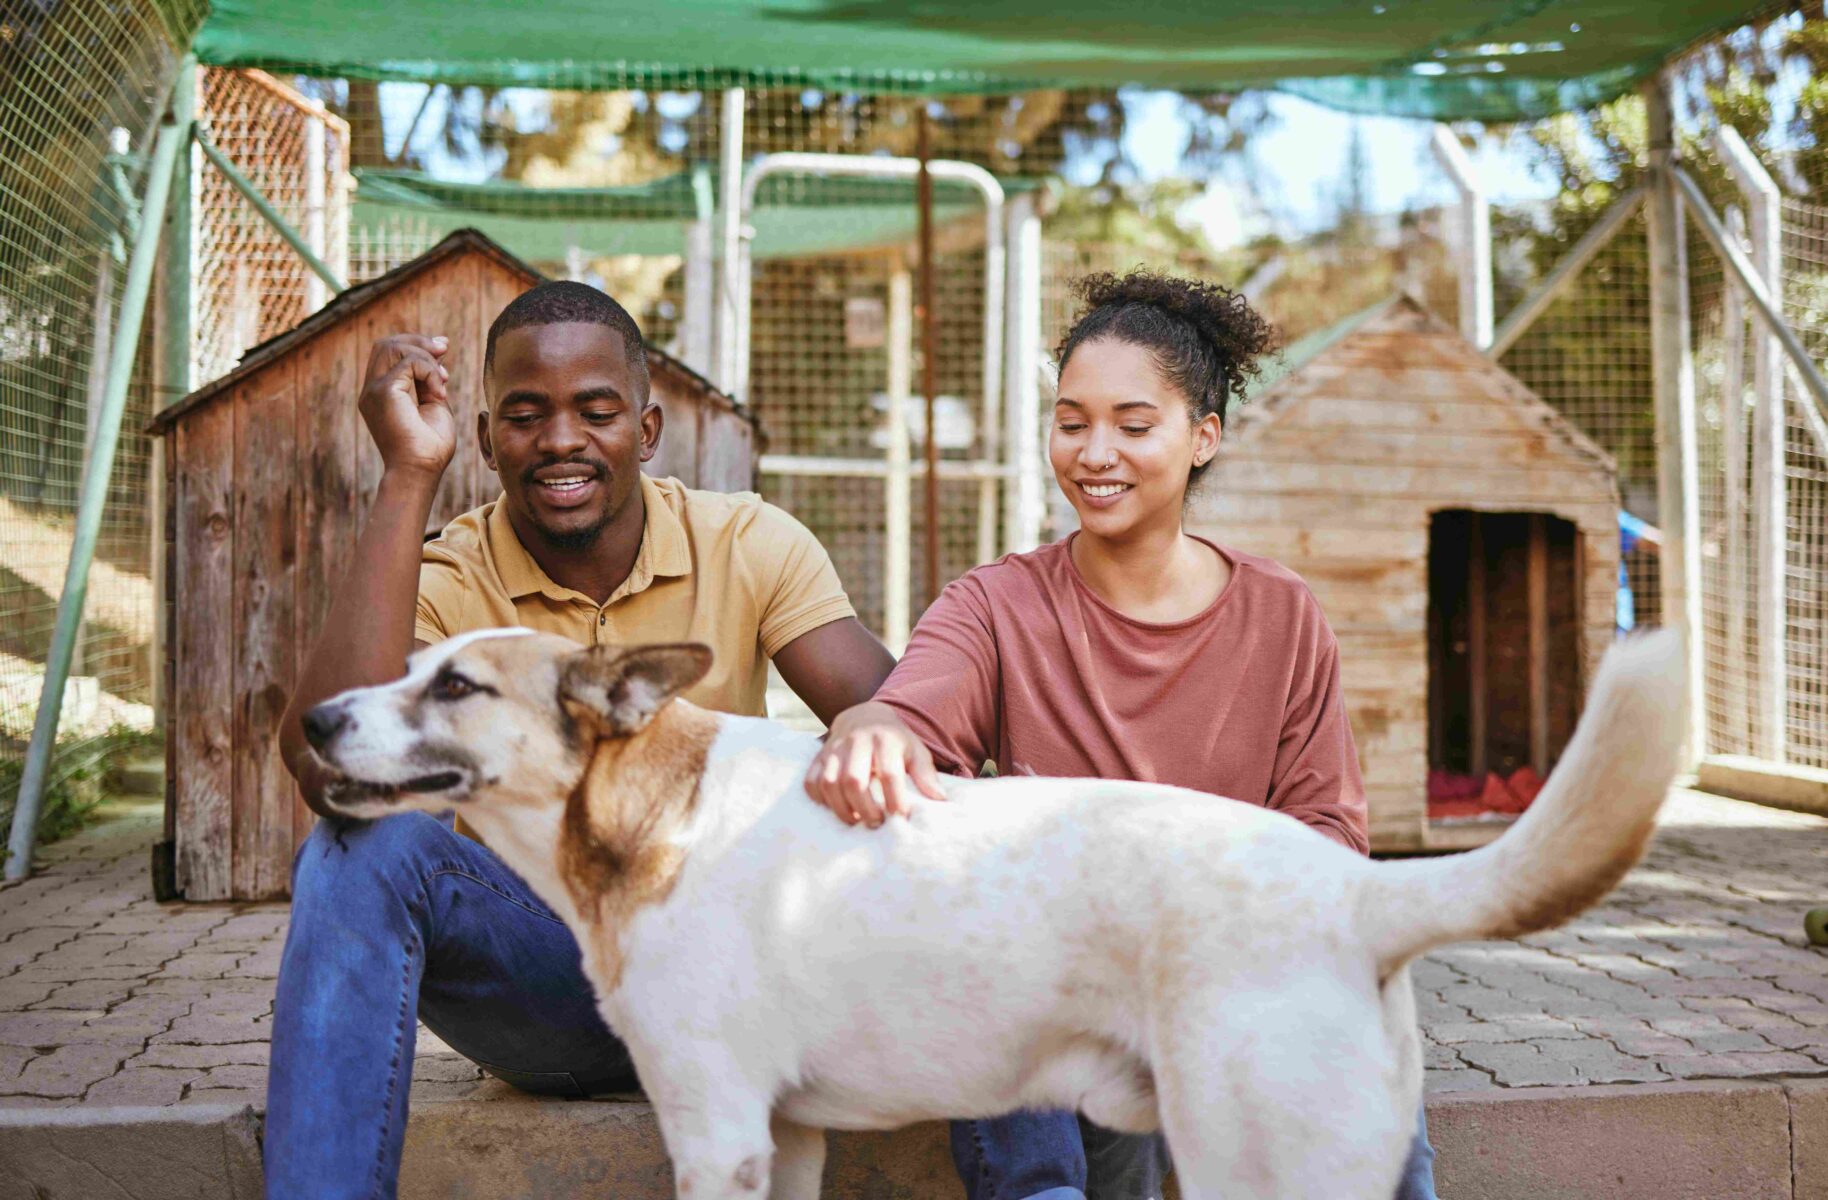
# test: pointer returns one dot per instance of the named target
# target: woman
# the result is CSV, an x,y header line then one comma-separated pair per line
x,y
1130,650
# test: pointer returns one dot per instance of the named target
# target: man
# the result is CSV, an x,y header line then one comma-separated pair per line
x,y
407,919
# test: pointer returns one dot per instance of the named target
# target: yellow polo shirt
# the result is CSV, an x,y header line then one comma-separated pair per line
x,y
726,569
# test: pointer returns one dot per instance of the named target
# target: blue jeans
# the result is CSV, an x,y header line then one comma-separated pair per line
x,y
397,920
1060,1156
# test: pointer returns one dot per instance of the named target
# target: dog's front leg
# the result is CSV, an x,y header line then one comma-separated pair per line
x,y
799,1160
713,1117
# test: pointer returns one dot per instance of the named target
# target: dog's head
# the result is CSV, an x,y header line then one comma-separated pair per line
x,y
496,716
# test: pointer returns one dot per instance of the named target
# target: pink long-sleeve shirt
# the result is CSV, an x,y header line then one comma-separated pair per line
x,y
1020,663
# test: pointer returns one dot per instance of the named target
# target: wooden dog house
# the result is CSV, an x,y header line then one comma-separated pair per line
x,y
1461,537
269,477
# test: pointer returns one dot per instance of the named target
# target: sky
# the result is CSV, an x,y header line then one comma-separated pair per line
x,y
1295,167
1299,185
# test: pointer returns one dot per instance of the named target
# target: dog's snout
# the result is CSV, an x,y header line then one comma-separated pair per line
x,y
322,723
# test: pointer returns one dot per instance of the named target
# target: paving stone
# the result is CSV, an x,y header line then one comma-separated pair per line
x,y
67,1071
151,1086
1633,1036
15,995
245,1006
38,1102
1519,1065
1466,1080
12,1058
199,1056
248,1076
195,964
1598,1061
1510,1029
1739,1065
251,1097
208,1029
86,994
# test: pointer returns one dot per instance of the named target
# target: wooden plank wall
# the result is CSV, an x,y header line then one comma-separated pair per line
x,y
1335,476
270,484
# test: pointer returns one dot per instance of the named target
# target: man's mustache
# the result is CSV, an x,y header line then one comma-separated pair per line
x,y
596,467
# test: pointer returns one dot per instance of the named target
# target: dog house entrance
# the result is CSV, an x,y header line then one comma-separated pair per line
x,y
1504,674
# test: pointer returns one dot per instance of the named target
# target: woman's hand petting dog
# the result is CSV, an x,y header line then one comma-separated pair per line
x,y
867,765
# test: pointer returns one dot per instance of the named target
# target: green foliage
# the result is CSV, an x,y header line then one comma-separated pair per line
x,y
1143,217
78,783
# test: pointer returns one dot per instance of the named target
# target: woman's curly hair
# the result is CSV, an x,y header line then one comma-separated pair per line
x,y
1207,341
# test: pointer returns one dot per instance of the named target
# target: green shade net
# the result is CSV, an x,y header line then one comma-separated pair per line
x,y
1465,59
795,216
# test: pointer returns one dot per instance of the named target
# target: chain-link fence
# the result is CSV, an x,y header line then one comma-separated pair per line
x,y
620,186
81,88
248,285
1805,467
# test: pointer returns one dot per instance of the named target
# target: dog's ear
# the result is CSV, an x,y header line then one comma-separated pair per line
x,y
620,689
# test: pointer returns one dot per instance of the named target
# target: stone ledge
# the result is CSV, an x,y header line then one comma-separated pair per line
x,y
1702,1140
1779,785
192,1152
1706,1140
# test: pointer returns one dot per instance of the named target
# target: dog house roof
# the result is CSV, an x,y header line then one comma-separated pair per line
x,y
1271,393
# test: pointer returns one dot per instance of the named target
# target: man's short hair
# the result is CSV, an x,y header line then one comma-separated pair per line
x,y
566,302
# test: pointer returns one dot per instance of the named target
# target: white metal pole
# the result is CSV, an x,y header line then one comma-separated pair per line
x,y
730,213
992,440
696,342
315,216
898,544
1732,541
1025,501
1673,395
1764,203
1475,257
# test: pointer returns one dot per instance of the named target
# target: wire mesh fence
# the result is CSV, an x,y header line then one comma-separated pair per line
x,y
248,284
619,186
81,88
1805,278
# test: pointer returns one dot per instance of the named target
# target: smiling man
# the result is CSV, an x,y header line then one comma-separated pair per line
x,y
404,918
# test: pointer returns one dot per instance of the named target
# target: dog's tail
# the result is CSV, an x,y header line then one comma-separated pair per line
x,y
1587,828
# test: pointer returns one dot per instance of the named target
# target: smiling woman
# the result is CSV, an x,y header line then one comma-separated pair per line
x,y
1131,650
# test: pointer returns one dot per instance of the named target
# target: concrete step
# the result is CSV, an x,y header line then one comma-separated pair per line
x,y
138,777
1700,1140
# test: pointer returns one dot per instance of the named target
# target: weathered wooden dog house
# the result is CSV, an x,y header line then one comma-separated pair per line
x,y
269,477
1461,537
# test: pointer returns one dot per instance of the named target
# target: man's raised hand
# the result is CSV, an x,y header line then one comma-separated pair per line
x,y
406,404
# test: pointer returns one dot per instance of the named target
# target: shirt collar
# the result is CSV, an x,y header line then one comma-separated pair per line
x,y
665,551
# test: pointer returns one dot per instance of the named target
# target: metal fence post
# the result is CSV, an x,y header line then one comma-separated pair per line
x,y
175,318
898,495
1026,496
94,498
1764,203
1673,395
730,197
1475,250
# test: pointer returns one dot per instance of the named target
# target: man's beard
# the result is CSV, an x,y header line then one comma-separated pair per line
x,y
574,540
570,540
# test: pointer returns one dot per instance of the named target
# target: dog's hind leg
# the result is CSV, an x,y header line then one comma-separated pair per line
x,y
1280,1096
799,1160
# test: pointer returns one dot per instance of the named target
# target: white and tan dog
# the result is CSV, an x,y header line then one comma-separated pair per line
x,y
1155,958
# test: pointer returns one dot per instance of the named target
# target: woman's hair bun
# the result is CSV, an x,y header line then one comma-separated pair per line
x,y
1206,339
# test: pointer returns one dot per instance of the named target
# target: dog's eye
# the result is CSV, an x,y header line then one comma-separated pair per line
x,y
451,686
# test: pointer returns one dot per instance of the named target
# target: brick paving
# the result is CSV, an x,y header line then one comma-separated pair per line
x,y
1696,968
